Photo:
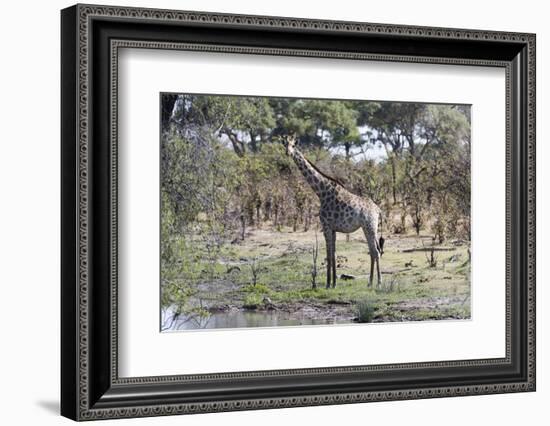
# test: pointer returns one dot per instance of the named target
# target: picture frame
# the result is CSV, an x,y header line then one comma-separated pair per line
x,y
91,37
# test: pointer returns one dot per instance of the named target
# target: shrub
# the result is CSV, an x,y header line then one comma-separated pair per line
x,y
365,311
252,301
257,289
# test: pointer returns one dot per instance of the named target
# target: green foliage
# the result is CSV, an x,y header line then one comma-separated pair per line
x,y
256,289
220,160
252,301
365,311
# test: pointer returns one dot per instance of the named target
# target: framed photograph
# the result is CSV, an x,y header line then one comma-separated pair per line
x,y
263,212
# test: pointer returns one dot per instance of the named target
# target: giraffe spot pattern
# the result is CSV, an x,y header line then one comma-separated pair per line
x,y
340,211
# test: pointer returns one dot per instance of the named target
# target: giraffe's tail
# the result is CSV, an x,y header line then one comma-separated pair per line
x,y
381,240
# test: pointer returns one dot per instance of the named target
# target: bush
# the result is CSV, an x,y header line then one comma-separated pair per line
x,y
365,311
257,289
252,301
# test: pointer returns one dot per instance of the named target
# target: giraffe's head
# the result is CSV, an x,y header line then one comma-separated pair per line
x,y
289,142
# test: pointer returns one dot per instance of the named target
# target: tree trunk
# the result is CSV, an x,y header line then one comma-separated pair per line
x,y
243,226
276,215
250,212
258,205
253,143
393,179
267,209
238,145
168,102
417,219
347,147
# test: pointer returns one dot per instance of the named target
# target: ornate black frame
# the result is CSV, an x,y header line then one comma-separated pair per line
x,y
91,37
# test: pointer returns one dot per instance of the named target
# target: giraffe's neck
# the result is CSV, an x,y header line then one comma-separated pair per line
x,y
320,184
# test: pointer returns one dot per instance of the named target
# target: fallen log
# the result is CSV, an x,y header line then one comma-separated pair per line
x,y
395,271
428,249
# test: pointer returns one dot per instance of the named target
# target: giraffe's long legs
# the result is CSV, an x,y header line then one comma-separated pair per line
x,y
371,270
374,254
378,271
328,243
333,259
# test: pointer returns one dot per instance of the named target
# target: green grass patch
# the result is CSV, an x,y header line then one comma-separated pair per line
x,y
283,265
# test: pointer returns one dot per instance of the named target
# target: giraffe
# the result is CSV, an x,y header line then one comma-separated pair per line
x,y
340,211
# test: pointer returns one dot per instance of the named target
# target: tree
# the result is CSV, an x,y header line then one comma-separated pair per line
x,y
226,145
247,123
393,126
